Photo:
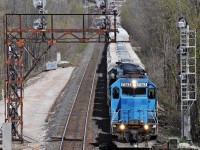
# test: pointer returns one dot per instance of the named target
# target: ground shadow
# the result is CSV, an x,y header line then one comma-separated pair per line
x,y
101,109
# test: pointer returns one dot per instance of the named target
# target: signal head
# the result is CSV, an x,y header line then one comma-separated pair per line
x,y
39,3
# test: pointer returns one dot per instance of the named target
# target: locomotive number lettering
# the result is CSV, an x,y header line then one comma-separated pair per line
x,y
141,84
126,84
129,84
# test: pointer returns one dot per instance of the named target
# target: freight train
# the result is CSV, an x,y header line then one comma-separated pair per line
x,y
132,96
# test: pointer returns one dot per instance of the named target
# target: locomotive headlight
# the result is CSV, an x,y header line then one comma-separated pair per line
x,y
146,127
122,127
134,83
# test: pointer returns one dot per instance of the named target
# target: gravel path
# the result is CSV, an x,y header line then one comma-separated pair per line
x,y
39,95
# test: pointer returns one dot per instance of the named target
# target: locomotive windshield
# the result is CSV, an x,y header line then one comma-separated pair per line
x,y
133,92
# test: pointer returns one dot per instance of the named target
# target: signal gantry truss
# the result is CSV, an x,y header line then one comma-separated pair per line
x,y
18,33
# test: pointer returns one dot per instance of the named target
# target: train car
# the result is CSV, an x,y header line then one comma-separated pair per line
x,y
132,95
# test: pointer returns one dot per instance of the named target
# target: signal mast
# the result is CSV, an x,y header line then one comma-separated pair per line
x,y
187,53
40,23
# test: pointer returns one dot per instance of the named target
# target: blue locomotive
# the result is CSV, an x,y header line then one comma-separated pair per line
x,y
132,95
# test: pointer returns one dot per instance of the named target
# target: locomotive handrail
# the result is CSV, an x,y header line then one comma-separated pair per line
x,y
154,118
115,113
151,112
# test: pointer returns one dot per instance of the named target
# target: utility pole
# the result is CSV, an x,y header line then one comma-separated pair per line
x,y
187,53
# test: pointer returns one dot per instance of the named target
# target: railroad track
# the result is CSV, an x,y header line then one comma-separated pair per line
x,y
74,135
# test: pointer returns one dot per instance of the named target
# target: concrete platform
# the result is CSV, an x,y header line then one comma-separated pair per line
x,y
39,95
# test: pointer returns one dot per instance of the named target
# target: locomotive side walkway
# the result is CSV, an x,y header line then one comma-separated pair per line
x,y
39,96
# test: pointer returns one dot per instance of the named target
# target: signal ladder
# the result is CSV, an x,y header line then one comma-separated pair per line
x,y
188,66
188,76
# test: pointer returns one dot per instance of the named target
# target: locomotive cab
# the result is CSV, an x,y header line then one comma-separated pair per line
x,y
133,109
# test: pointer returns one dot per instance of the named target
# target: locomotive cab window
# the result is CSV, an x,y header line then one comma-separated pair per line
x,y
152,94
116,93
134,92
127,91
140,91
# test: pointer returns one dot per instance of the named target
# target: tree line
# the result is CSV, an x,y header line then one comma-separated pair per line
x,y
152,25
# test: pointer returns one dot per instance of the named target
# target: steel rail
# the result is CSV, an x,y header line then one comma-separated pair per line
x,y
88,109
63,136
